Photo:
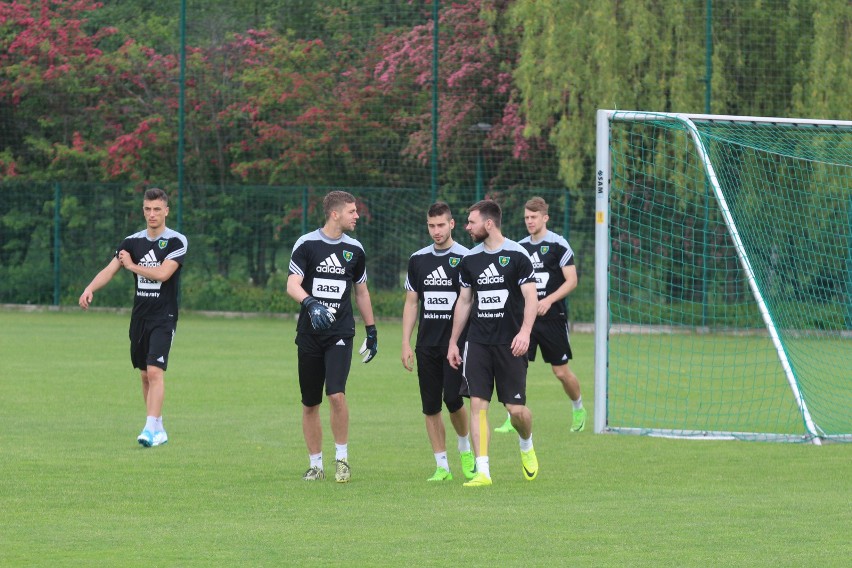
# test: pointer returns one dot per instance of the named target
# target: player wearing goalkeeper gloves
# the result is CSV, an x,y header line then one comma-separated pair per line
x,y
326,268
432,283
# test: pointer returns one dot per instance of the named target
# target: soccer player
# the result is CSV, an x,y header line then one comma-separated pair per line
x,y
155,256
326,268
556,277
501,317
432,283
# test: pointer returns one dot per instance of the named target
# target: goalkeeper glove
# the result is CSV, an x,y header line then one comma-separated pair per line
x,y
370,345
321,316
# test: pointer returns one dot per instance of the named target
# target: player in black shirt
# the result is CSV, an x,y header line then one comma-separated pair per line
x,y
432,282
501,315
155,257
326,268
556,277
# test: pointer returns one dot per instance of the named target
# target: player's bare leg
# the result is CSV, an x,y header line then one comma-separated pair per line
x,y
339,418
340,432
154,390
460,421
571,385
480,435
312,428
569,380
437,433
437,438
522,421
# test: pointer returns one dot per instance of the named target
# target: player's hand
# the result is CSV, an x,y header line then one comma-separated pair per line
x,y
454,357
520,344
543,305
407,358
370,345
85,299
321,316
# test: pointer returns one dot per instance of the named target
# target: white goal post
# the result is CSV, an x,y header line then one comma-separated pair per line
x,y
691,211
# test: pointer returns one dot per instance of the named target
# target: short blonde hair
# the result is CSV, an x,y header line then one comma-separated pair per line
x,y
335,200
536,205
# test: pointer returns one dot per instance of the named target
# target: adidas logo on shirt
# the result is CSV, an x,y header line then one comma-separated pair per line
x,y
536,261
438,278
331,265
149,259
490,276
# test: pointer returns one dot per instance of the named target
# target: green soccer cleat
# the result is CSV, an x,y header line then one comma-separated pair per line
x,y
530,463
314,474
342,471
479,480
579,422
441,474
506,428
468,463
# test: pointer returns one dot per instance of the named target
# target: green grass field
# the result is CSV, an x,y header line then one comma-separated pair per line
x,y
76,489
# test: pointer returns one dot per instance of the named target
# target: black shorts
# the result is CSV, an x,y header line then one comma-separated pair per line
x,y
150,342
551,336
438,380
485,366
324,361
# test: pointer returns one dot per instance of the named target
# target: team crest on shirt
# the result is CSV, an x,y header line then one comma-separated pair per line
x,y
163,243
504,261
454,261
544,249
347,255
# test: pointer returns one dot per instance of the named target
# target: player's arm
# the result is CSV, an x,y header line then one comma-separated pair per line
x,y
461,313
521,342
294,287
570,275
371,343
100,280
409,317
157,273
365,305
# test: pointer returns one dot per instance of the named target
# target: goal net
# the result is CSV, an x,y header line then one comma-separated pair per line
x,y
723,274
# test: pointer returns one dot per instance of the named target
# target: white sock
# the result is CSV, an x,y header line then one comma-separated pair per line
x,y
526,445
578,404
159,425
341,452
441,460
482,466
151,423
316,460
464,443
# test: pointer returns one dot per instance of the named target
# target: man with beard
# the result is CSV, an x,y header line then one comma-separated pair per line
x,y
501,274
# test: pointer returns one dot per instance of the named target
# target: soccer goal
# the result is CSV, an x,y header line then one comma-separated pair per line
x,y
723,275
